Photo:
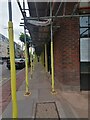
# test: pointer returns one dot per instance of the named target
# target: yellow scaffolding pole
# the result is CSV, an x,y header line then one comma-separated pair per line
x,y
13,71
12,64
42,57
46,67
31,63
52,56
52,67
27,93
26,64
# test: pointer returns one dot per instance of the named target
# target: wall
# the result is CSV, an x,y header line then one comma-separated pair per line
x,y
66,51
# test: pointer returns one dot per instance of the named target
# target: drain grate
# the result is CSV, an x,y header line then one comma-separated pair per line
x,y
46,110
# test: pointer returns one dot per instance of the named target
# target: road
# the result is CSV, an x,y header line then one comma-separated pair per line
x,y
5,73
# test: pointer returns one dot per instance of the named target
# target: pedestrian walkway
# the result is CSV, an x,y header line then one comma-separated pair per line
x,y
42,104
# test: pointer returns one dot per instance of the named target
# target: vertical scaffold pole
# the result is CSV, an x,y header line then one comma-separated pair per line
x,y
52,57
42,57
31,62
27,93
12,64
46,57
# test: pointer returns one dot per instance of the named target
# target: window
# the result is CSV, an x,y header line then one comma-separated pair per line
x,y
84,27
84,39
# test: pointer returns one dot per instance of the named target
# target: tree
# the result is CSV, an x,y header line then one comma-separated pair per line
x,y
28,39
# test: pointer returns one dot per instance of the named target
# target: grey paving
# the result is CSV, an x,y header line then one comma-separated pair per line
x,y
70,104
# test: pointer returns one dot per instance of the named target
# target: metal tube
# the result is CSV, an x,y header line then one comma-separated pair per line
x,y
10,10
12,64
59,8
27,93
26,57
64,9
26,64
42,57
52,57
46,58
75,7
31,61
36,10
88,26
63,16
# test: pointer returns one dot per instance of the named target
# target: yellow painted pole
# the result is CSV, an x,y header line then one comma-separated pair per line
x,y
42,58
31,62
13,71
52,57
27,93
46,57
52,67
26,64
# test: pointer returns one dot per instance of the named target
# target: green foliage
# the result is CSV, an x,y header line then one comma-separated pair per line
x,y
22,38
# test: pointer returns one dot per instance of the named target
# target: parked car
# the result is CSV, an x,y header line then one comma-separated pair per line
x,y
19,63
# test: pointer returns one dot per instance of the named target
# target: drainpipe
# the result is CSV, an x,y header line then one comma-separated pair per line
x,y
12,64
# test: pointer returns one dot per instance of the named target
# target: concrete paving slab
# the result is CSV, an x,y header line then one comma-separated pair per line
x,y
25,108
72,101
22,87
8,111
45,95
60,110
40,87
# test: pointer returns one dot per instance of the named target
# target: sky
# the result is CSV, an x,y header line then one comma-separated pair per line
x,y
16,19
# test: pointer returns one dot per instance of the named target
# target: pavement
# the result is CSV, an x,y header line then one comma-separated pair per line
x,y
5,87
42,104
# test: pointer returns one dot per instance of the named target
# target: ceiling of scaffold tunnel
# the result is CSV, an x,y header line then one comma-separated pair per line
x,y
39,29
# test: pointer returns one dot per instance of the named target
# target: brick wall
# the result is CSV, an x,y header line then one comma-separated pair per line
x,y
66,51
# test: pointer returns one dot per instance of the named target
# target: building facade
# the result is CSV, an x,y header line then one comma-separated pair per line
x,y
4,46
71,51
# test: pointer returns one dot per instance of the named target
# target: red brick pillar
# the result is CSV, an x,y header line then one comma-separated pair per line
x,y
66,51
